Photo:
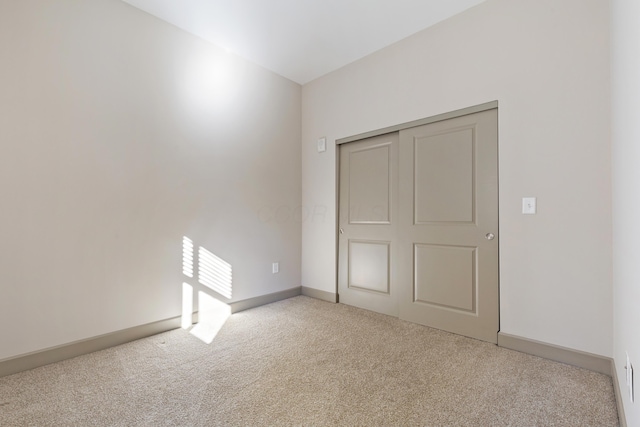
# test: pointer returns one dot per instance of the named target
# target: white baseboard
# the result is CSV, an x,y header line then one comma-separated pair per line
x,y
264,299
39,358
78,348
581,359
318,294
618,392
593,362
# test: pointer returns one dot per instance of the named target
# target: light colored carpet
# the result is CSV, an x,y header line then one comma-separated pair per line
x,y
308,363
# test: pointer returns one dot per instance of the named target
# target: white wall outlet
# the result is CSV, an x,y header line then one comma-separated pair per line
x,y
322,144
275,267
529,205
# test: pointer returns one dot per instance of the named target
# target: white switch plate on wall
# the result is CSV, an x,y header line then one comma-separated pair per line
x,y
626,366
631,393
275,267
528,205
629,369
322,144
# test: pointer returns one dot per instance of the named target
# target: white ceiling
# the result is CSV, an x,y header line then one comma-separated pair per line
x,y
303,39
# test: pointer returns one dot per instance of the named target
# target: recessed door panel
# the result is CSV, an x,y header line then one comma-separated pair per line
x,y
444,177
369,185
444,276
369,266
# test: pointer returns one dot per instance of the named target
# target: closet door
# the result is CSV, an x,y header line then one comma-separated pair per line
x,y
448,228
368,231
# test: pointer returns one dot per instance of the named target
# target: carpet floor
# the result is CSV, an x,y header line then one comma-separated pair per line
x,y
304,362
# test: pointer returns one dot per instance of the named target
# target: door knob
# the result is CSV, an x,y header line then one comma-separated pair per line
x,y
489,236
341,230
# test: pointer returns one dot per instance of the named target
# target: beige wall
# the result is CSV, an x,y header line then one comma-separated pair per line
x,y
626,195
547,63
117,140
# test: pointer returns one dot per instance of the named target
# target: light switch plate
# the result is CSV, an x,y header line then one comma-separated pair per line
x,y
322,145
626,366
529,205
631,393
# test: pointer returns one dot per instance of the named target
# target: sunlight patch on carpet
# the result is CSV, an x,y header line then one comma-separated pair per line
x,y
212,315
215,274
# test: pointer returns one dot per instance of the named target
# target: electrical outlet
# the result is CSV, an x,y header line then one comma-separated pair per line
x,y
275,267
